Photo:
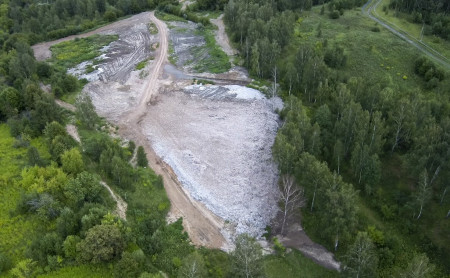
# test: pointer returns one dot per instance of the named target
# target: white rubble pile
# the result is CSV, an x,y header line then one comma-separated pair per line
x,y
218,141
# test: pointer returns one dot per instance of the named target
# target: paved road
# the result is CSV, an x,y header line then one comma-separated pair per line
x,y
369,10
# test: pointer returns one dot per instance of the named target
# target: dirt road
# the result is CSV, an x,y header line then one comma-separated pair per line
x,y
221,36
370,10
201,224
298,239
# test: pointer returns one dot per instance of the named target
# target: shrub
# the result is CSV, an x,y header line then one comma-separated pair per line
x,y
334,14
103,243
5,263
279,248
141,157
110,15
375,29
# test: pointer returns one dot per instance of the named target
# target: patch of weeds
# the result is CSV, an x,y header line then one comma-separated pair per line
x,y
181,30
70,53
202,81
72,97
141,64
208,14
168,17
89,68
173,58
217,62
97,61
152,28
17,230
143,74
260,85
155,46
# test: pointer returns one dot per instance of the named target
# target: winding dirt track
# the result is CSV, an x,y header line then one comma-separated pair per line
x,y
121,209
201,224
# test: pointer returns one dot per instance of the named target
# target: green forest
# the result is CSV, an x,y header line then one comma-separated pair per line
x,y
365,134
366,131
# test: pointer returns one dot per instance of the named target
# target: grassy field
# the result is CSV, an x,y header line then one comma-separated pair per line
x,y
70,53
373,56
402,22
217,61
15,230
294,265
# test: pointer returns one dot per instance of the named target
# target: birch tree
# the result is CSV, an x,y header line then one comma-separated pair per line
x,y
193,267
291,198
313,175
400,123
247,257
361,259
423,193
419,267
338,155
339,215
